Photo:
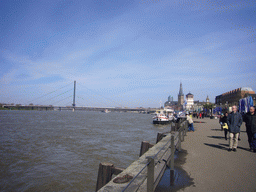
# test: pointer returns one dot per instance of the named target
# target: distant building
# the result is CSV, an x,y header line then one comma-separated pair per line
x,y
207,100
176,105
170,103
198,106
231,98
180,98
189,105
190,102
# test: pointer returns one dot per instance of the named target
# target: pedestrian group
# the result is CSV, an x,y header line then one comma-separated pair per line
x,y
232,122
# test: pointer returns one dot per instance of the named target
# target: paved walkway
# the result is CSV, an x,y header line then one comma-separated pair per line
x,y
211,166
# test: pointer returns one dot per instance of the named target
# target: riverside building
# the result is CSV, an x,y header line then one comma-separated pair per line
x,y
231,98
190,102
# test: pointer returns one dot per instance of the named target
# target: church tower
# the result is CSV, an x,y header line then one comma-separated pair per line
x,y
180,98
207,100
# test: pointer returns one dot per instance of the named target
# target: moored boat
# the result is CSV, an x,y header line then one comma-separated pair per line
x,y
163,116
106,111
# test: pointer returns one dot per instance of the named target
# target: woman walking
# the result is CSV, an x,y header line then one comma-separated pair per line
x,y
224,124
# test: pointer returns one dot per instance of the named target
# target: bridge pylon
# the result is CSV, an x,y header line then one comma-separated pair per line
x,y
74,97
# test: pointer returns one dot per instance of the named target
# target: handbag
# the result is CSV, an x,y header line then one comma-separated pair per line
x,y
225,126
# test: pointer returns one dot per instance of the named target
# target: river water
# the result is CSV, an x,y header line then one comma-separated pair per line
x,y
61,150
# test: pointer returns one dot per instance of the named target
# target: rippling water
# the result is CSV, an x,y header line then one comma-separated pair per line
x,y
61,150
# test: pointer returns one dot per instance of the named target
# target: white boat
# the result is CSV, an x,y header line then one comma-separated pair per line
x,y
163,116
106,111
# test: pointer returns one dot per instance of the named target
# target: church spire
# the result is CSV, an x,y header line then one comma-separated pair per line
x,y
181,90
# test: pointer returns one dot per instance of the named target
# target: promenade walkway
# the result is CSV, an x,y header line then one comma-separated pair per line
x,y
209,164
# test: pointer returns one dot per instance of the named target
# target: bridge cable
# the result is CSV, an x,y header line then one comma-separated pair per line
x,y
48,99
50,93
102,96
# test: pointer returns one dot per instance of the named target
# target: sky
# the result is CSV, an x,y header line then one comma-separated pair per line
x,y
124,53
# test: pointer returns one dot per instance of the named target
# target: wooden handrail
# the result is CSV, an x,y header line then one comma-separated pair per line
x,y
157,157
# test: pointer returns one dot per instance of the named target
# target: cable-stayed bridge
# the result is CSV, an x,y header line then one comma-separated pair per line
x,y
61,99
61,108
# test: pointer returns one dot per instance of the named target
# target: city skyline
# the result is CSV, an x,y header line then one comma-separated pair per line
x,y
128,53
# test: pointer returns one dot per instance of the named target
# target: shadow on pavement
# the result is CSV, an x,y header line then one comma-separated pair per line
x,y
216,137
222,130
216,146
227,145
216,129
181,177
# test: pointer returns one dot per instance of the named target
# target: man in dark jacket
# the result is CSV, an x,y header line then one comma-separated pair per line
x,y
235,120
250,123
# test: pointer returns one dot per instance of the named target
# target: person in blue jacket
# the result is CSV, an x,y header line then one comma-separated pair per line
x,y
235,121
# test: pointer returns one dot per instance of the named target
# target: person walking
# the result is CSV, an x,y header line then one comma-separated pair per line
x,y
190,123
250,123
235,120
220,121
224,121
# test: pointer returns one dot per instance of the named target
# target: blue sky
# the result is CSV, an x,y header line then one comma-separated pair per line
x,y
124,53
